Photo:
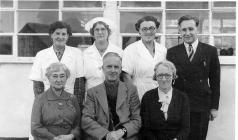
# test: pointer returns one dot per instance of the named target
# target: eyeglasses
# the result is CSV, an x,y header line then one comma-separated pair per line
x,y
166,76
100,29
145,29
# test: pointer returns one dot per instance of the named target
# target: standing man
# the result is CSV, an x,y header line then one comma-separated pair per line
x,y
112,109
198,70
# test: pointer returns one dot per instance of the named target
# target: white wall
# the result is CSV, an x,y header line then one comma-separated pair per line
x,y
17,98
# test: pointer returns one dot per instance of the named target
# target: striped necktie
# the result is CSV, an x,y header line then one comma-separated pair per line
x,y
190,52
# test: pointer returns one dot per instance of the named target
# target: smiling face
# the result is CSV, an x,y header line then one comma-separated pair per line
x,y
58,79
188,30
164,77
147,31
112,68
60,37
100,32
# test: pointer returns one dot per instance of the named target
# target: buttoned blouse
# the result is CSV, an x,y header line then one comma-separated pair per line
x,y
93,64
138,62
53,115
72,58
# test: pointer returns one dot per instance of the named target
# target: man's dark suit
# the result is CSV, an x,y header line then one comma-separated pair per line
x,y
200,79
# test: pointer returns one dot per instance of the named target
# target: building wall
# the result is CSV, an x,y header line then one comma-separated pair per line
x,y
17,99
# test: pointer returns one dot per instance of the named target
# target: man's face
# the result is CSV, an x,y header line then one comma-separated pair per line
x,y
188,30
147,31
112,68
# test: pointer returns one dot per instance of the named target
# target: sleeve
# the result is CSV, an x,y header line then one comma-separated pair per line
x,y
89,123
214,80
79,64
146,133
127,61
36,73
76,125
37,127
133,126
185,119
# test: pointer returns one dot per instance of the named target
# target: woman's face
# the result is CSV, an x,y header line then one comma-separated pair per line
x,y
147,31
100,32
60,37
58,79
164,77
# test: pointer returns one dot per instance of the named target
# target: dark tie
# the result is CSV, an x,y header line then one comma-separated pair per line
x,y
190,52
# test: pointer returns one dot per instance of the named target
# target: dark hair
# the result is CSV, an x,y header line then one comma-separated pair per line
x,y
188,17
103,23
60,25
147,18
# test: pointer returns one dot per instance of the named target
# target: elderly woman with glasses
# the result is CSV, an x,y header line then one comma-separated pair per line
x,y
140,57
56,113
100,28
165,110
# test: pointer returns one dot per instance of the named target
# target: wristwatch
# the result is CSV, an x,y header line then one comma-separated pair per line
x,y
125,131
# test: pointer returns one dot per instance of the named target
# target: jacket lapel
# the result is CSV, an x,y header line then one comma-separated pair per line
x,y
198,53
102,98
183,56
121,95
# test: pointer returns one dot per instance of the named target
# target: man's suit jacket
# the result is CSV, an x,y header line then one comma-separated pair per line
x,y
154,125
200,78
95,119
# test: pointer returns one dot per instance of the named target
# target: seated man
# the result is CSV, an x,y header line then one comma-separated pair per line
x,y
112,109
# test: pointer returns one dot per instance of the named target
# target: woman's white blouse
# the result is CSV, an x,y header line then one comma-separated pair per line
x,y
93,64
138,62
72,58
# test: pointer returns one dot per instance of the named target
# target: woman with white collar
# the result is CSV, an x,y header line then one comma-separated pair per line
x,y
101,29
140,57
58,52
165,110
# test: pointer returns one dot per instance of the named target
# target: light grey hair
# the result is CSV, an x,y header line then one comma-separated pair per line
x,y
54,67
167,64
112,54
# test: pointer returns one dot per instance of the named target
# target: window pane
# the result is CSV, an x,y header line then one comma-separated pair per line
x,y
82,4
30,45
224,4
36,21
80,42
33,4
6,3
226,45
6,21
77,20
140,4
127,40
173,40
5,45
129,19
224,22
173,16
187,5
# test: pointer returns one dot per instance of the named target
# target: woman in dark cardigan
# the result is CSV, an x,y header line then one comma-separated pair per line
x,y
165,110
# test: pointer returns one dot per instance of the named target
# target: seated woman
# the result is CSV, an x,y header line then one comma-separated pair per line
x,y
56,113
165,110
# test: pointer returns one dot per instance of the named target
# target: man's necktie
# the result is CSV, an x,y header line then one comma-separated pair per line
x,y
190,52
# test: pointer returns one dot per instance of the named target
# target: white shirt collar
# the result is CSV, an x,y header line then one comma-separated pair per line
x,y
162,94
194,44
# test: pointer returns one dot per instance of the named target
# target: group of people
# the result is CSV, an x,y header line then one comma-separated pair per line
x,y
144,92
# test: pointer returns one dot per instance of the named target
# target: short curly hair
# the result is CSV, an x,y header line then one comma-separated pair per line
x,y
146,18
56,67
59,25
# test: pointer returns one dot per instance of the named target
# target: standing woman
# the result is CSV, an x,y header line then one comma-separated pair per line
x,y
165,110
56,113
140,57
58,52
101,29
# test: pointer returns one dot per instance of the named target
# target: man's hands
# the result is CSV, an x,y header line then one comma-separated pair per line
x,y
64,137
115,135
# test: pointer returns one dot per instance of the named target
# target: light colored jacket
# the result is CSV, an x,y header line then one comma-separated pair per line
x,y
95,118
